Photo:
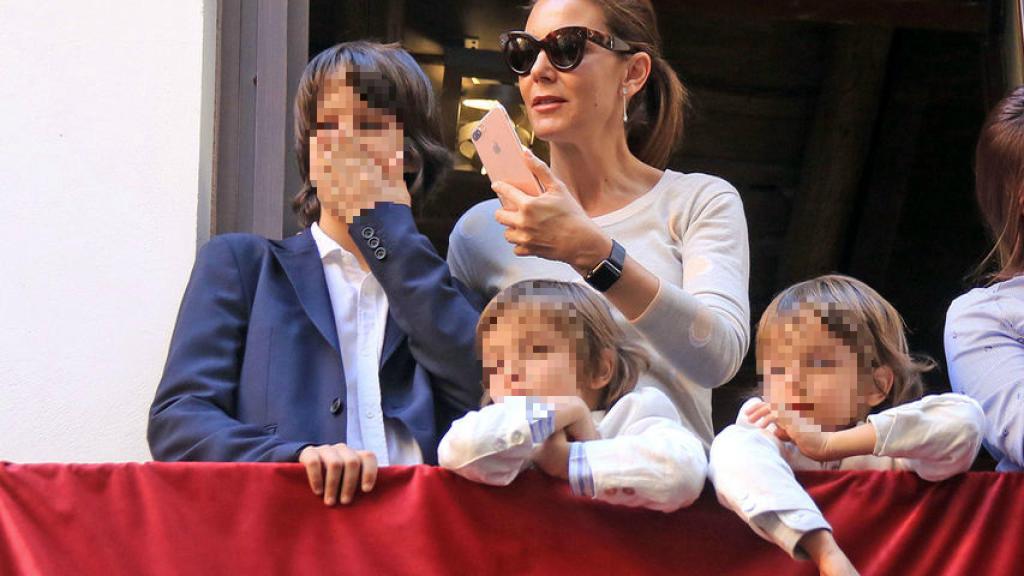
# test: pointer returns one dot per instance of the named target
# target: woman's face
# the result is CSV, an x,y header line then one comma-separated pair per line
x,y
575,105
354,147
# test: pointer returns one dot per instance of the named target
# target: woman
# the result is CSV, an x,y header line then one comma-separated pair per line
x,y
984,333
349,344
669,250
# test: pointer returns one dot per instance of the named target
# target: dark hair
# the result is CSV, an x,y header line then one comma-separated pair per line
x,y
405,93
657,112
999,183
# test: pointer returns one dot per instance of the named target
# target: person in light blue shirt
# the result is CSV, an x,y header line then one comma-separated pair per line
x,y
984,334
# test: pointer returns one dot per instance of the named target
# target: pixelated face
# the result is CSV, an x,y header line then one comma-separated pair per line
x,y
353,150
525,354
810,372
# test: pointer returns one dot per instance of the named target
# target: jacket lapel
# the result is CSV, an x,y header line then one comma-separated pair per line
x,y
393,337
301,262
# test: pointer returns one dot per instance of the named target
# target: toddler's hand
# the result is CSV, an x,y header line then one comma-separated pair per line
x,y
345,467
553,456
573,416
812,441
791,427
821,546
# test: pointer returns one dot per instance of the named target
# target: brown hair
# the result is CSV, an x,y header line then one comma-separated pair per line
x,y
573,306
657,111
999,183
405,93
858,316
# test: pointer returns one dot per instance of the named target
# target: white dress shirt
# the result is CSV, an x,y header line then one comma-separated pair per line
x,y
752,470
645,457
360,316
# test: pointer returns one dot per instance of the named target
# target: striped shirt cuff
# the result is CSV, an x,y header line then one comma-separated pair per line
x,y
581,478
541,416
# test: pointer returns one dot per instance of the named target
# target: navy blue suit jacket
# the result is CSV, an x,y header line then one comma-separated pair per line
x,y
254,368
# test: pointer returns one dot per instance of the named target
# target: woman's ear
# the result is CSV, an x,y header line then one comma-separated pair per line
x,y
884,378
638,68
602,374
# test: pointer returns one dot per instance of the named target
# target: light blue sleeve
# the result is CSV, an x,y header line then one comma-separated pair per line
x,y
984,341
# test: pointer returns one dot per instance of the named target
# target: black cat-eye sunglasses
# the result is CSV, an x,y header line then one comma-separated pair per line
x,y
565,47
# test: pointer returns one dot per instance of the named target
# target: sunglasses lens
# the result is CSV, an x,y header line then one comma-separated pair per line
x,y
566,49
520,55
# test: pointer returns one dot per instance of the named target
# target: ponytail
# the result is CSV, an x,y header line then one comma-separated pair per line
x,y
657,115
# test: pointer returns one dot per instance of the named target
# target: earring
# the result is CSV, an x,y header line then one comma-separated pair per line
x,y
625,103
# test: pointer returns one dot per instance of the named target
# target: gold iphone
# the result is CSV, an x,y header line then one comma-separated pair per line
x,y
501,152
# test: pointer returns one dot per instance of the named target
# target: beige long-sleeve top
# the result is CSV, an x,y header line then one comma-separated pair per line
x,y
689,230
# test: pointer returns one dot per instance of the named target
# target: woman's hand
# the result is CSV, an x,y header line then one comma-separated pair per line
x,y
552,225
346,468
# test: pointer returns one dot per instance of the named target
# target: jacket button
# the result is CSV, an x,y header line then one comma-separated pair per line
x,y
336,406
380,253
373,242
367,231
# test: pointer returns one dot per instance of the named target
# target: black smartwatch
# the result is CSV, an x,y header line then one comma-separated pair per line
x,y
608,272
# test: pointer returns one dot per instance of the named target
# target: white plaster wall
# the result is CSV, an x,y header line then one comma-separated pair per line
x,y
99,179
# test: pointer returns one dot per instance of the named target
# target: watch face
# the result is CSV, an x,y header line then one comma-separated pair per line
x,y
603,276
609,270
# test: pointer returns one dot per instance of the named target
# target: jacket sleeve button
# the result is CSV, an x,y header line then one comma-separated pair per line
x,y
373,242
380,253
367,231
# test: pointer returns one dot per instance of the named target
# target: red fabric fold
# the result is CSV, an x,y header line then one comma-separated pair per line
x,y
213,518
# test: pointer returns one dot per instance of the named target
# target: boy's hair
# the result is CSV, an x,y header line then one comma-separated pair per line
x,y
573,308
387,78
853,312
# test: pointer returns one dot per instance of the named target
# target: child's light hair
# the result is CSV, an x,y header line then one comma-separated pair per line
x,y
861,318
573,309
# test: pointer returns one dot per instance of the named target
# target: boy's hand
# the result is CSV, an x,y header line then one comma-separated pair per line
x,y
573,416
791,427
826,554
553,456
346,468
353,173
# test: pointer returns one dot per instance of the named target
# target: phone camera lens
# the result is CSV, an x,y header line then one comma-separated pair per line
x,y
476,134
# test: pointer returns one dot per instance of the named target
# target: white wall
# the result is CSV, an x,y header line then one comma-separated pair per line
x,y
99,175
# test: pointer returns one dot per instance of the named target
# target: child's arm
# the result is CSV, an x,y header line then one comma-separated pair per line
x,y
652,461
494,444
936,437
752,478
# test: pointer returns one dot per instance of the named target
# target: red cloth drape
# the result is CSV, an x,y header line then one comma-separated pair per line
x,y
158,518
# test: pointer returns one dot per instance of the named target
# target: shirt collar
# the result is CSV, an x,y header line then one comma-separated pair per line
x,y
325,244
